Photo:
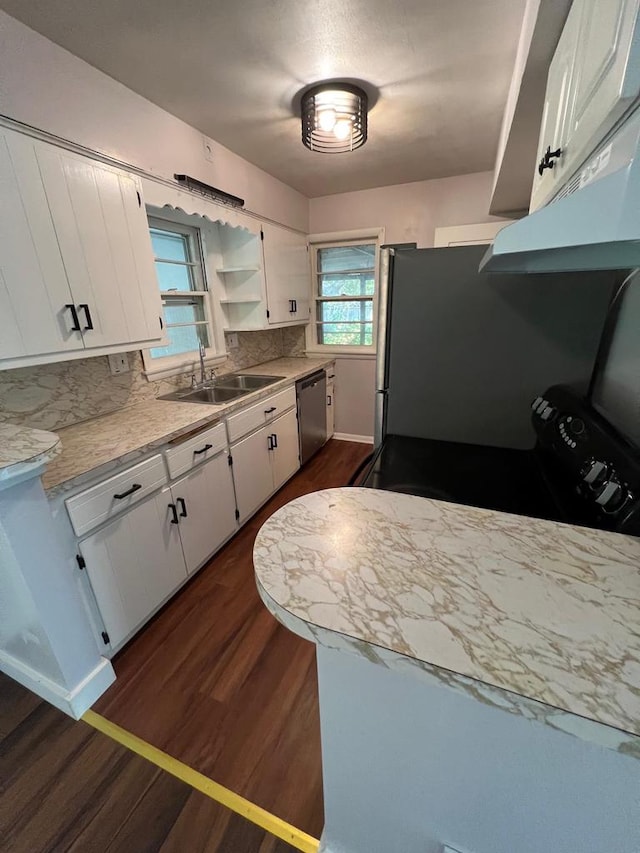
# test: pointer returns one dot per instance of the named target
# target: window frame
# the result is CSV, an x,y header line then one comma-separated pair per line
x,y
161,367
337,240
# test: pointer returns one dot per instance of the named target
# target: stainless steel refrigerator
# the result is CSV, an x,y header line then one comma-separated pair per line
x,y
461,354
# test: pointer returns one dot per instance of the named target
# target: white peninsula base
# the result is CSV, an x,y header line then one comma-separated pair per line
x,y
409,767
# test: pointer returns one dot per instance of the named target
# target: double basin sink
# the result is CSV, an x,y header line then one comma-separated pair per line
x,y
223,390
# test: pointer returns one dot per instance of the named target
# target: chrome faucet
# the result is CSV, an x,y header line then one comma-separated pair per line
x,y
202,351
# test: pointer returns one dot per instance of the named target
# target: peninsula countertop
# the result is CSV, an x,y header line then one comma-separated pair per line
x,y
538,617
93,447
23,448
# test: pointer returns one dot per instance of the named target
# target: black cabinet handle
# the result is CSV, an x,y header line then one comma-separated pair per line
x,y
291,306
174,513
331,376
274,439
183,507
328,399
87,315
547,159
268,411
295,306
134,488
269,442
203,449
74,317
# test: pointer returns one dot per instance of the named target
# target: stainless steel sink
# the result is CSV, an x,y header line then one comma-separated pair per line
x,y
246,381
224,390
214,394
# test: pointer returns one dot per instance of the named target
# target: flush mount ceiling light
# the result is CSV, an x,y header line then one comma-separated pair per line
x,y
334,118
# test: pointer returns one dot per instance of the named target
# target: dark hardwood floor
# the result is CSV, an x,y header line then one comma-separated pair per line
x,y
66,787
215,681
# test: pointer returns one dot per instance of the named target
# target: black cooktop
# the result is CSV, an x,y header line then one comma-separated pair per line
x,y
490,477
580,471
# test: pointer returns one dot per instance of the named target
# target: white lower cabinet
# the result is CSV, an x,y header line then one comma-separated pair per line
x,y
285,456
263,461
134,564
206,508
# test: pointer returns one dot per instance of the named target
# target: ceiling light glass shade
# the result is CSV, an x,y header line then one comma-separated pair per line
x,y
334,118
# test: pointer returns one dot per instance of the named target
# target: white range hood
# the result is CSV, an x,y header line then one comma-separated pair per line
x,y
593,223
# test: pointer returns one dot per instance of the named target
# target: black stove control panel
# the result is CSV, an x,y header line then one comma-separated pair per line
x,y
593,460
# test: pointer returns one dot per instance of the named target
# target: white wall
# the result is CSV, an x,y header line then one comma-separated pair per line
x,y
409,213
47,87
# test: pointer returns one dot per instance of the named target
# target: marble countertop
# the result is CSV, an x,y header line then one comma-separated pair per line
x,y
22,448
537,617
94,447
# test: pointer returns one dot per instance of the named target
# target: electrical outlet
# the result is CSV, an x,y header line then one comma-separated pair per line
x,y
118,363
232,340
207,145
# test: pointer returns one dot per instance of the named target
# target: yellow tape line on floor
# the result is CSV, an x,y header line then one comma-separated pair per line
x,y
275,825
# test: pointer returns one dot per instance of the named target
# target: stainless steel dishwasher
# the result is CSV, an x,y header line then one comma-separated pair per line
x,y
312,413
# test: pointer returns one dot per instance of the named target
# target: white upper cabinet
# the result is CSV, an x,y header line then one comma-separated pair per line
x,y
34,289
593,80
287,273
103,234
76,264
556,118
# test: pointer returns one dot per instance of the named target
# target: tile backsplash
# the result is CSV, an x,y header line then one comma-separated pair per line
x,y
52,396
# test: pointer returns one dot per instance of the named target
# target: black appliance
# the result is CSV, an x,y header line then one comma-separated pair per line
x,y
462,355
581,471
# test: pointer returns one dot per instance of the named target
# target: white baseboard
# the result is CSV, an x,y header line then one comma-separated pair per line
x,y
346,436
73,702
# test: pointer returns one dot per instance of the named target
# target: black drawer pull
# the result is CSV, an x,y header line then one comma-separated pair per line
x,y
202,449
268,411
87,315
269,442
292,303
134,488
174,513
274,439
329,400
74,316
331,376
183,507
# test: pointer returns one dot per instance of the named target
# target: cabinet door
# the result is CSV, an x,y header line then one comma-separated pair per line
x,y
331,418
206,506
287,275
134,564
607,77
252,473
285,457
102,231
34,289
556,116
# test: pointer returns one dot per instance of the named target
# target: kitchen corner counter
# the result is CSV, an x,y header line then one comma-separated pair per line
x,y
93,448
22,450
535,617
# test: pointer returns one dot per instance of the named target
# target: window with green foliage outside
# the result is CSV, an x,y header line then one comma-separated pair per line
x,y
179,269
345,291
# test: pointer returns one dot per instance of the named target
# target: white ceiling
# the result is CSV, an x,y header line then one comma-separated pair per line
x,y
231,68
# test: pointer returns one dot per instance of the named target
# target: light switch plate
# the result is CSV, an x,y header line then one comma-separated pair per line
x,y
232,340
118,363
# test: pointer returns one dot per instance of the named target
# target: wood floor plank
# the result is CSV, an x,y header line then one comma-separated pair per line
x,y
215,681
74,790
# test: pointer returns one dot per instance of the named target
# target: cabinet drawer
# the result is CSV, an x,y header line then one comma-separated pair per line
x,y
260,413
90,508
186,455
